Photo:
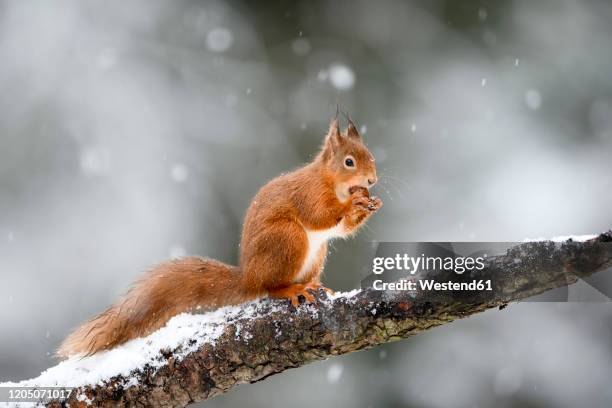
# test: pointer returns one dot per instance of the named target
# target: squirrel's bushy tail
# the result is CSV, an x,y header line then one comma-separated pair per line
x,y
169,289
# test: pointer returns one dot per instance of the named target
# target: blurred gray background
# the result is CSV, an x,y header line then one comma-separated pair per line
x,y
134,131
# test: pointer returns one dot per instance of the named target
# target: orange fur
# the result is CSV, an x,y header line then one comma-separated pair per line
x,y
323,195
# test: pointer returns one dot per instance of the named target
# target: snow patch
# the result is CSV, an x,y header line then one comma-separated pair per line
x,y
85,399
345,295
182,334
577,238
563,238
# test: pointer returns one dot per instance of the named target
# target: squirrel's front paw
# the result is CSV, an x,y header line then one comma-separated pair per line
x,y
360,197
366,204
359,191
362,203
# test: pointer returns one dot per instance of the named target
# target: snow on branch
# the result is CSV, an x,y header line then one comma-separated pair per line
x,y
199,356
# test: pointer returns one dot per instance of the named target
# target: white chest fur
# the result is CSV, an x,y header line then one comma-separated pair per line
x,y
315,240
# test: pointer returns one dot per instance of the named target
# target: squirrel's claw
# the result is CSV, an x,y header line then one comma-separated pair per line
x,y
293,293
361,198
361,201
316,286
295,299
375,204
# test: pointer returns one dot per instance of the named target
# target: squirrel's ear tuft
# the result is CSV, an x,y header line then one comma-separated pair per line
x,y
332,140
334,137
352,132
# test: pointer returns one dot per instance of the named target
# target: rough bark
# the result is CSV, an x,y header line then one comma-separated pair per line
x,y
283,337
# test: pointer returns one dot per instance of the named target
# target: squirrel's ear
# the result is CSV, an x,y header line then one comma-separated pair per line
x,y
334,138
352,132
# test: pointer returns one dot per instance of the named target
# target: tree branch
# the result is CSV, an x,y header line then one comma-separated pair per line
x,y
278,337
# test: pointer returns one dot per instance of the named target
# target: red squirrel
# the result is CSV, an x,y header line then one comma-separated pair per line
x,y
283,248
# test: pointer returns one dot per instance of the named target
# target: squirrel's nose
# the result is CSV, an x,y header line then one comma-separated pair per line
x,y
371,181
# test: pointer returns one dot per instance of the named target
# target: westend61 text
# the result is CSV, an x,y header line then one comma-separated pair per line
x,y
428,285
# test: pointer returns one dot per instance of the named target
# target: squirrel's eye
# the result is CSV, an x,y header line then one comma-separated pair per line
x,y
349,162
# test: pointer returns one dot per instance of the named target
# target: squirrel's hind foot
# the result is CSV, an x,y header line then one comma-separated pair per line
x,y
293,293
315,286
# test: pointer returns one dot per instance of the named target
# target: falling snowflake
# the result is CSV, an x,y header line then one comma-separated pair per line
x,y
177,251
301,46
533,99
507,381
482,14
334,373
231,100
323,75
219,39
341,77
107,59
179,173
95,160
